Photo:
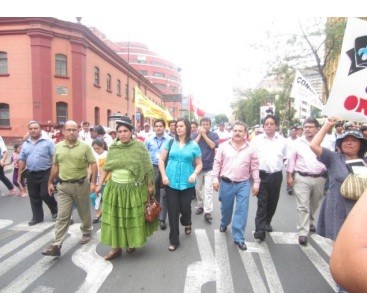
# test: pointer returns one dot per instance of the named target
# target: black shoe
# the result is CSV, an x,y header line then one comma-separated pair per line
x,y
33,222
53,250
199,211
269,228
260,235
163,225
241,245
96,219
222,229
208,217
290,192
302,240
312,228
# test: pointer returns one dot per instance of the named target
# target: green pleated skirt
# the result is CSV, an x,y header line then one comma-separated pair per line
x,y
123,222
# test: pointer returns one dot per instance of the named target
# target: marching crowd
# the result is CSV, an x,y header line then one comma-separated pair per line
x,y
116,171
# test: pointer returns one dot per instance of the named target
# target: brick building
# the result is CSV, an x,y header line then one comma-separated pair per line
x,y
53,70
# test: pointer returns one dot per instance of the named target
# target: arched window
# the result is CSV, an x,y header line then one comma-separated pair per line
x,y
61,65
109,78
61,112
96,116
4,115
96,76
118,87
3,63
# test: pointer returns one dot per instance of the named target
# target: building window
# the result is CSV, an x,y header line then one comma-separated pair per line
x,y
108,116
158,74
126,91
4,115
96,116
61,112
61,65
3,63
109,82
133,95
96,76
143,72
118,87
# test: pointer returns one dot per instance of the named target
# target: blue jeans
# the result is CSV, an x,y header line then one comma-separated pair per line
x,y
228,193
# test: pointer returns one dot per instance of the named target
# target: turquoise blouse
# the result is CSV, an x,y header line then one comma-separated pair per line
x,y
181,164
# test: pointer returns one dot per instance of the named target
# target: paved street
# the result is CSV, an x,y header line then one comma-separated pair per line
x,y
206,261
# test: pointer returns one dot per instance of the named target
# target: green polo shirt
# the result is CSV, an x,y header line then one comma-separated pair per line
x,y
73,161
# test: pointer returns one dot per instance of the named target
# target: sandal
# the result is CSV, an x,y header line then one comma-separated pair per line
x,y
130,250
188,230
172,247
113,253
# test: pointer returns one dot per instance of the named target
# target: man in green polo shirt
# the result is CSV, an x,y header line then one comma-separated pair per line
x,y
71,161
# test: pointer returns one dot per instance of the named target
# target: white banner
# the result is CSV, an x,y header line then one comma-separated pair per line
x,y
348,96
302,90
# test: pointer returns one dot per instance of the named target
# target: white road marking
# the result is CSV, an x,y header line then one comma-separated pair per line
x,y
223,268
210,268
34,272
257,284
321,265
325,244
22,254
13,245
5,223
43,289
40,227
96,267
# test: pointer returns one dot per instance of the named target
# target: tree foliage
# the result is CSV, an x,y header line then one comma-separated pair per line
x,y
220,118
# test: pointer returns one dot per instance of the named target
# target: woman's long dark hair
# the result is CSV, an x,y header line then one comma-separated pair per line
x,y
188,129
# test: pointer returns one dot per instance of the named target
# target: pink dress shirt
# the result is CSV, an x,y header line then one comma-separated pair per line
x,y
237,165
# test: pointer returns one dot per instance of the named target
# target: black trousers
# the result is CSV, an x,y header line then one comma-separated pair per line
x,y
267,199
178,202
5,179
157,183
38,192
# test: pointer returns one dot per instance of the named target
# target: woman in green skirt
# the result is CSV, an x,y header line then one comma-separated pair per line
x,y
131,179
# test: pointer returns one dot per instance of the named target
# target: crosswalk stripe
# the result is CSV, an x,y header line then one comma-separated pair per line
x,y
22,254
257,284
24,280
5,223
21,239
325,244
321,265
223,269
270,270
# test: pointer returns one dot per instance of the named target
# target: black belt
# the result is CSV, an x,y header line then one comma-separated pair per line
x,y
226,179
268,173
323,174
80,180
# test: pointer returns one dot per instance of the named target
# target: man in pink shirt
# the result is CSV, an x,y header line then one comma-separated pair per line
x,y
307,176
234,164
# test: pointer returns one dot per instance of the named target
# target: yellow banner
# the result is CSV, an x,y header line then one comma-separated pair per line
x,y
148,108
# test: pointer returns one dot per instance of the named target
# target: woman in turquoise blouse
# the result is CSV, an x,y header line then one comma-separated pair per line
x,y
179,176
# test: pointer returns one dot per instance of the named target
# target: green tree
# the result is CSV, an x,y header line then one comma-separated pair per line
x,y
220,118
247,105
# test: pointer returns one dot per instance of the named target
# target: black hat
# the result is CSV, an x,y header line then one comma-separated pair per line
x,y
126,121
356,134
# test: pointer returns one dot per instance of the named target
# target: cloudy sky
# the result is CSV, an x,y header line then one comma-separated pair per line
x,y
212,43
